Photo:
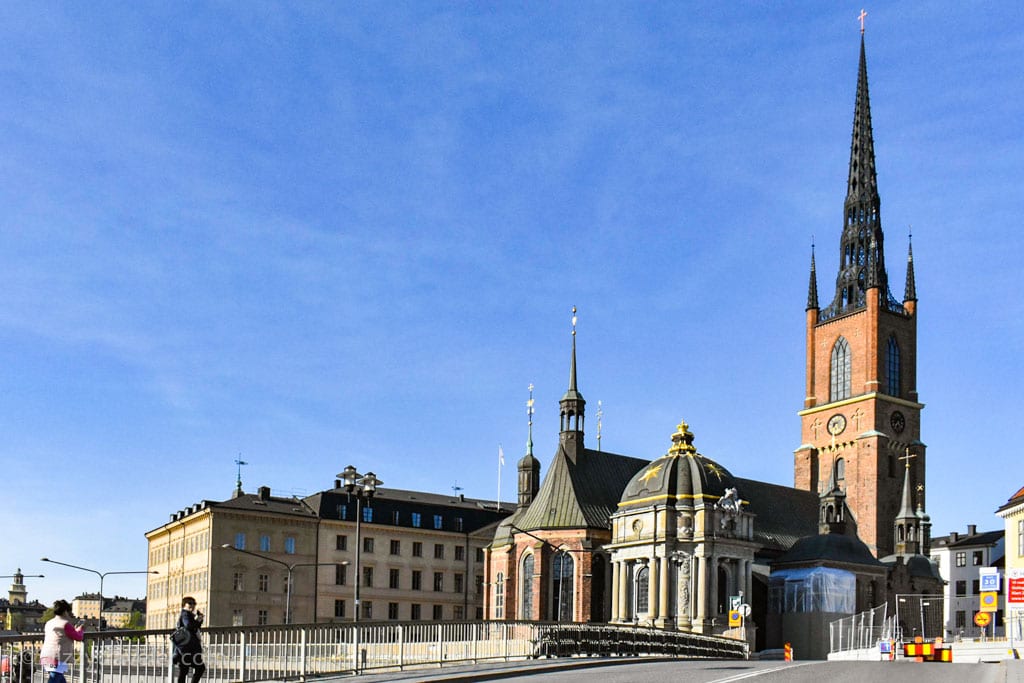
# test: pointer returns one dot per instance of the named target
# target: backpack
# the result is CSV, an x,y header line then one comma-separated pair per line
x,y
180,636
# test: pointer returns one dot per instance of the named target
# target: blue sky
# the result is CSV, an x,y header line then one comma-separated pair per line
x,y
323,234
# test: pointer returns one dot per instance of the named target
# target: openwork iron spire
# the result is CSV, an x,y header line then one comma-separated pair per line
x,y
861,248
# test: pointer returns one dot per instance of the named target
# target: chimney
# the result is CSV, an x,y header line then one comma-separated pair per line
x,y
972,529
954,536
264,492
337,483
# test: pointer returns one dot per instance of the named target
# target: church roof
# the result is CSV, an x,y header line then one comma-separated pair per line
x,y
829,549
917,565
580,492
784,514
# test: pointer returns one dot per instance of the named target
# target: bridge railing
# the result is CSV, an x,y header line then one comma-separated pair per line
x,y
263,653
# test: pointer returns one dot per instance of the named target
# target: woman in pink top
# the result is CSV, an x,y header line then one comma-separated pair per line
x,y
58,651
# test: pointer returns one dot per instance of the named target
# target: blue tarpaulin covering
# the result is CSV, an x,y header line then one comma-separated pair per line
x,y
818,589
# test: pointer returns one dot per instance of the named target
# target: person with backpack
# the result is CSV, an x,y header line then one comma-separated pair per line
x,y
188,649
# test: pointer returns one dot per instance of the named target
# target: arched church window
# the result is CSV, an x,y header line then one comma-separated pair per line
x,y
840,371
499,596
562,566
526,588
860,280
892,367
840,469
643,585
860,256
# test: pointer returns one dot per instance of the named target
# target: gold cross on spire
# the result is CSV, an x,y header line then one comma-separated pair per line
x,y
862,16
574,321
907,457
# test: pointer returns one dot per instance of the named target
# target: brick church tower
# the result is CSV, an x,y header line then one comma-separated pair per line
x,y
861,417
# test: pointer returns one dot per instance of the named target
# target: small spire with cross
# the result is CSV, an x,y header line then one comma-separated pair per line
x,y
600,414
907,457
863,15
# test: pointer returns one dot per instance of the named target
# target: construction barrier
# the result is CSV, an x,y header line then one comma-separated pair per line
x,y
928,651
787,651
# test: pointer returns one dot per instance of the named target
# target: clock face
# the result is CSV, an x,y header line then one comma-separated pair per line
x,y
898,422
836,424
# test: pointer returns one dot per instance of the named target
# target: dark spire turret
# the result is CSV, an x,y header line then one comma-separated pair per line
x,y
910,292
572,404
529,466
907,523
832,506
812,286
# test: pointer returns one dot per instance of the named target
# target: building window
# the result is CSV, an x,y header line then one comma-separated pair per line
x,y
458,613
438,581
479,584
264,583
961,559
367,514
417,519
562,585
438,612
396,547
479,554
892,366
840,371
1020,538
499,596
961,588
340,574
438,522
460,524
341,542
976,586
460,582
643,585
236,583
368,577
395,517
976,558
368,545
367,609
289,545
417,580
261,617
343,512
961,618
339,609
526,588
840,469
417,549
438,551
479,613
414,612
392,610
460,553
236,617
240,540
265,543
392,578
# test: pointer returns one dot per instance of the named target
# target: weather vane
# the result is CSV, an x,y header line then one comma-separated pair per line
x,y
600,414
574,321
529,418
238,481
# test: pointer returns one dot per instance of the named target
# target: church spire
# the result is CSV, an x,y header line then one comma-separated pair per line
x,y
528,467
812,286
907,523
861,249
910,292
572,403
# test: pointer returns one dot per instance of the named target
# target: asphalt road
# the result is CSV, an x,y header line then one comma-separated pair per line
x,y
782,672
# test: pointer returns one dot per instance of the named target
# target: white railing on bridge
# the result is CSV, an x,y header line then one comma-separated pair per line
x,y
294,652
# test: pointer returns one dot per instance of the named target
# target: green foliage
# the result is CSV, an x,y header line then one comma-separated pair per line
x,y
136,621
47,615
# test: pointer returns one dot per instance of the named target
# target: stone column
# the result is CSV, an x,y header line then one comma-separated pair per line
x,y
623,591
652,589
701,596
615,591
712,594
664,595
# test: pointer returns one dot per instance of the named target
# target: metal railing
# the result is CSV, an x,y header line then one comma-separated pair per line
x,y
295,652
862,631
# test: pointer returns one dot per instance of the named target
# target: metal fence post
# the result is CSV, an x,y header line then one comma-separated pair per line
x,y
241,656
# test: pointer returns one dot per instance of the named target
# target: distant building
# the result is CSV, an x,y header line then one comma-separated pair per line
x,y
19,614
116,612
420,557
960,557
1012,513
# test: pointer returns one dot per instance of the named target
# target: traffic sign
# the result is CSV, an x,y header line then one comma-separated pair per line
x,y
735,619
982,619
735,601
1015,590
989,601
745,610
989,579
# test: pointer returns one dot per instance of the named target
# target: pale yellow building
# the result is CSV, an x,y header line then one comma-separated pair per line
x,y
1013,517
421,558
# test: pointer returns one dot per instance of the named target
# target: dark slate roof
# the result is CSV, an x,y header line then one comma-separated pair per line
x,y
984,538
829,549
917,565
1015,499
784,514
580,494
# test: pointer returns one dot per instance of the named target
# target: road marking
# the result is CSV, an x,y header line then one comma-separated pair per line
x,y
760,672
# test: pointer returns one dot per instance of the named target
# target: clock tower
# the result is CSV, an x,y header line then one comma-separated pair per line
x,y
861,412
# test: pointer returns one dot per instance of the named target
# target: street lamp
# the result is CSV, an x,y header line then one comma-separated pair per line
x,y
290,568
102,576
361,486
560,556
923,605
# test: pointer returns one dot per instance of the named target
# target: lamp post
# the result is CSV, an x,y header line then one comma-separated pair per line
x,y
923,605
560,556
362,486
291,568
102,575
